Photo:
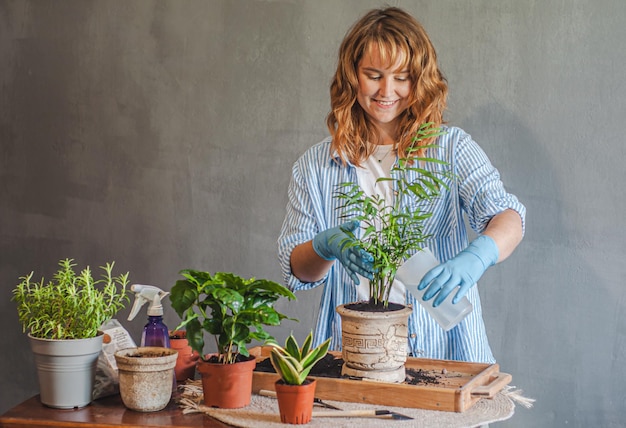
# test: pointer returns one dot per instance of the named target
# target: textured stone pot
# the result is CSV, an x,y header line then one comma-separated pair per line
x,y
146,377
66,370
374,344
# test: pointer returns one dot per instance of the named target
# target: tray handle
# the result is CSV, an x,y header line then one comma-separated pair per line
x,y
499,381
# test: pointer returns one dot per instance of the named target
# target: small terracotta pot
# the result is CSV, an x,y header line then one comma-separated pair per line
x,y
295,402
227,386
187,358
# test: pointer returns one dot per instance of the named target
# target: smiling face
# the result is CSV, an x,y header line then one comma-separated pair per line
x,y
384,89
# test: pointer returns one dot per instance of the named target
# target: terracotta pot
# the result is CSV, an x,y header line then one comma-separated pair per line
x,y
295,402
146,377
186,362
374,344
227,386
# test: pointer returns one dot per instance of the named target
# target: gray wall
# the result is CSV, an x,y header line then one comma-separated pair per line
x,y
161,134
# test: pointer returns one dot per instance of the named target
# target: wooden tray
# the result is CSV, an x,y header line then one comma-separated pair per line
x,y
459,385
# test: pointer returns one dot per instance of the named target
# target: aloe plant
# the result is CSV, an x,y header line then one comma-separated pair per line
x,y
388,232
72,305
294,363
229,307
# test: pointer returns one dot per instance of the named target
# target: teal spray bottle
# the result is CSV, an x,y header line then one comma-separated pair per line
x,y
155,333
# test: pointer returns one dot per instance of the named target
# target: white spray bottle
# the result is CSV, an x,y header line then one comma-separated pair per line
x,y
155,333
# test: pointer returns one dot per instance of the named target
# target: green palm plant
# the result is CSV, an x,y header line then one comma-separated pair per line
x,y
388,232
294,363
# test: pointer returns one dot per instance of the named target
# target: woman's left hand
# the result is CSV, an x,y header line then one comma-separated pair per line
x,y
462,271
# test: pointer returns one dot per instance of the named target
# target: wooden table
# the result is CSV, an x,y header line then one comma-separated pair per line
x,y
105,412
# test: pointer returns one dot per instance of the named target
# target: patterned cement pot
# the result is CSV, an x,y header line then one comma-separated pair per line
x,y
374,344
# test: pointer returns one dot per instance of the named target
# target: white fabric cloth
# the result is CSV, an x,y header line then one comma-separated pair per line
x,y
263,412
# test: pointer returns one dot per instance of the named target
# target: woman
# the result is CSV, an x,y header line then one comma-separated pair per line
x,y
386,85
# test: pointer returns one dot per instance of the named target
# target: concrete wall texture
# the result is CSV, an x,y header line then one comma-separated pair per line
x,y
160,134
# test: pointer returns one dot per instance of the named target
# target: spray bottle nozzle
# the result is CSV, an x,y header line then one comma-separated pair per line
x,y
147,294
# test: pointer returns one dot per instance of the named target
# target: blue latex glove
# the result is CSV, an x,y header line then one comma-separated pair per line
x,y
332,244
462,271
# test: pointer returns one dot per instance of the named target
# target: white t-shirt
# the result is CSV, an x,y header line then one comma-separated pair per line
x,y
378,165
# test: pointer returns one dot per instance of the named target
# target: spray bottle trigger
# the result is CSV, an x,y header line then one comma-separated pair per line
x,y
139,302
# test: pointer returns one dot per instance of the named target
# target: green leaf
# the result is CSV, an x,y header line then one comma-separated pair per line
x,y
285,367
291,348
306,347
182,296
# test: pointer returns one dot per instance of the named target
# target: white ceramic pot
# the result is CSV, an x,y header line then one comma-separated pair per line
x,y
146,377
374,344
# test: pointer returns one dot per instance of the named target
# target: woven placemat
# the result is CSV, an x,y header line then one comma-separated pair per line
x,y
263,412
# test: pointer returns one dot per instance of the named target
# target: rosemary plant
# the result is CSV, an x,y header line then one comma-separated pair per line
x,y
389,232
72,305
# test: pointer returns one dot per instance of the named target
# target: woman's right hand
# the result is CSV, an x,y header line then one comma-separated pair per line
x,y
335,243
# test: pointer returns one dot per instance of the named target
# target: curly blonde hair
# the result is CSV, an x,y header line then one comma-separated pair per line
x,y
397,36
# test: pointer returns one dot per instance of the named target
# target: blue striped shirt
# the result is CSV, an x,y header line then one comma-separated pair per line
x,y
475,190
